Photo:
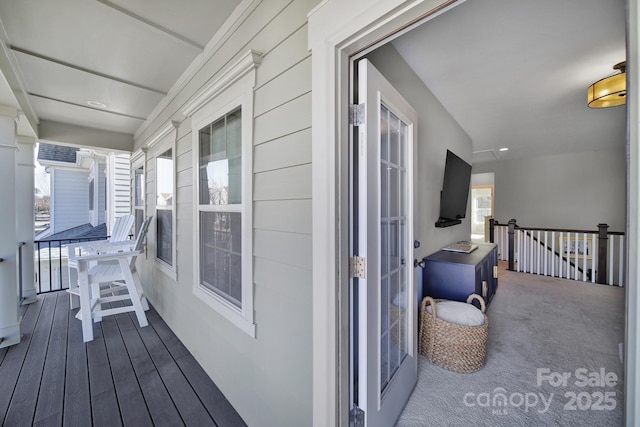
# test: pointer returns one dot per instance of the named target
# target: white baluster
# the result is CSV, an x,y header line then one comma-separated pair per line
x,y
620,261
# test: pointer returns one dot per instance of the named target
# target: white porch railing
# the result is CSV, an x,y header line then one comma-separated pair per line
x,y
584,255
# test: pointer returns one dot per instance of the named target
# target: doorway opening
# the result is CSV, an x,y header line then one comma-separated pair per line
x,y
481,212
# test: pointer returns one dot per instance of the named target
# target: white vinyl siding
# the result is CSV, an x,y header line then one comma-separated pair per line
x,y
70,199
97,194
119,189
281,260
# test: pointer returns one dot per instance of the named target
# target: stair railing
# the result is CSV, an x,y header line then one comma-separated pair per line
x,y
595,256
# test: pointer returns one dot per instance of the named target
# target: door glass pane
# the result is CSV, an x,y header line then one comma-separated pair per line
x,y
394,191
384,360
384,133
384,193
394,250
384,308
394,139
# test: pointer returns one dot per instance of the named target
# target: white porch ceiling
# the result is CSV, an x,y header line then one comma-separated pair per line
x,y
515,73
126,54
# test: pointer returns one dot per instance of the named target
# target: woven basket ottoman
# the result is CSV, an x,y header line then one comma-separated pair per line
x,y
453,346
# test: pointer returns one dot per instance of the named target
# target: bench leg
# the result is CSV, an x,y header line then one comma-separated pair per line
x,y
133,292
85,306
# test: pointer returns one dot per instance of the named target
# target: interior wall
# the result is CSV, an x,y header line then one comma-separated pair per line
x,y
482,179
437,132
572,191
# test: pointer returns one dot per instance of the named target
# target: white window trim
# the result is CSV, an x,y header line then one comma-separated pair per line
x,y
232,90
139,160
160,145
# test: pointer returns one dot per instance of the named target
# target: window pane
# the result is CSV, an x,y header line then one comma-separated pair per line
x,y
91,188
139,219
164,233
235,180
164,179
221,161
221,254
234,134
139,187
218,140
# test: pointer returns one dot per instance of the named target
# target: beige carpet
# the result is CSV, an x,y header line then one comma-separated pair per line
x,y
550,341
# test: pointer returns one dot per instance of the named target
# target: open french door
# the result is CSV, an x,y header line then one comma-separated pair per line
x,y
384,292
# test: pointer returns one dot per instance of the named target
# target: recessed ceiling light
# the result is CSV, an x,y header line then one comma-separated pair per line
x,y
504,149
97,104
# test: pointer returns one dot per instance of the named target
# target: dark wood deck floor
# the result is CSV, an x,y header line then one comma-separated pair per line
x,y
126,376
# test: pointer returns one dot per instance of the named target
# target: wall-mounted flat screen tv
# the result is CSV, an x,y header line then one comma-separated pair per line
x,y
455,191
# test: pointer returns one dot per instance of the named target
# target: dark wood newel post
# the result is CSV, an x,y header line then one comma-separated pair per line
x,y
602,253
492,224
512,233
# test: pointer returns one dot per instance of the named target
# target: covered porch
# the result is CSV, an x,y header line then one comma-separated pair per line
x,y
126,376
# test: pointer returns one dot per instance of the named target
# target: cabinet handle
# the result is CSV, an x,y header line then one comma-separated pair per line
x,y
484,288
495,271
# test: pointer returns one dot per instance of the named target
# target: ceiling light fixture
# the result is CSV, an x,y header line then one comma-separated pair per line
x,y
610,91
504,149
97,104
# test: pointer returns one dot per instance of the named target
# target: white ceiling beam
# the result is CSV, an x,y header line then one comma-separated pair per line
x,y
81,136
11,76
101,110
86,70
152,24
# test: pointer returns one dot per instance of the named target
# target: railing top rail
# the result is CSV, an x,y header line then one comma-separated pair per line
x,y
70,240
560,230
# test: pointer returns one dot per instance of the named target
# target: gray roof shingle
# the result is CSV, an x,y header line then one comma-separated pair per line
x,y
57,153
84,231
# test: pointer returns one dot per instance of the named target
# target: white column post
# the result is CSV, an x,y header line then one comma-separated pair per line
x,y
9,314
24,214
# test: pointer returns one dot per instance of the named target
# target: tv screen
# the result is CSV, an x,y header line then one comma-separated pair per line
x,y
455,190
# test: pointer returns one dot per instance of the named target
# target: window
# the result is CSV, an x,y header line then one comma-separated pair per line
x,y
220,207
222,136
91,190
164,207
138,197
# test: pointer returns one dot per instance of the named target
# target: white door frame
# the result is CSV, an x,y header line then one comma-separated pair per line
x,y
337,30
632,342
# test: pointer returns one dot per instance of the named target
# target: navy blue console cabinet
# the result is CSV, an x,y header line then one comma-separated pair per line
x,y
455,276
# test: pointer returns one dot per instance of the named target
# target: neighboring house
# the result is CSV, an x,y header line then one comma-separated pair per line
x,y
244,167
89,190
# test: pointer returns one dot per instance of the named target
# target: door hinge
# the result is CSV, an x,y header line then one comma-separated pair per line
x,y
356,417
356,115
357,267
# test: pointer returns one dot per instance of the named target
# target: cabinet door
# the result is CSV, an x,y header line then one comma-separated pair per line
x,y
487,282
